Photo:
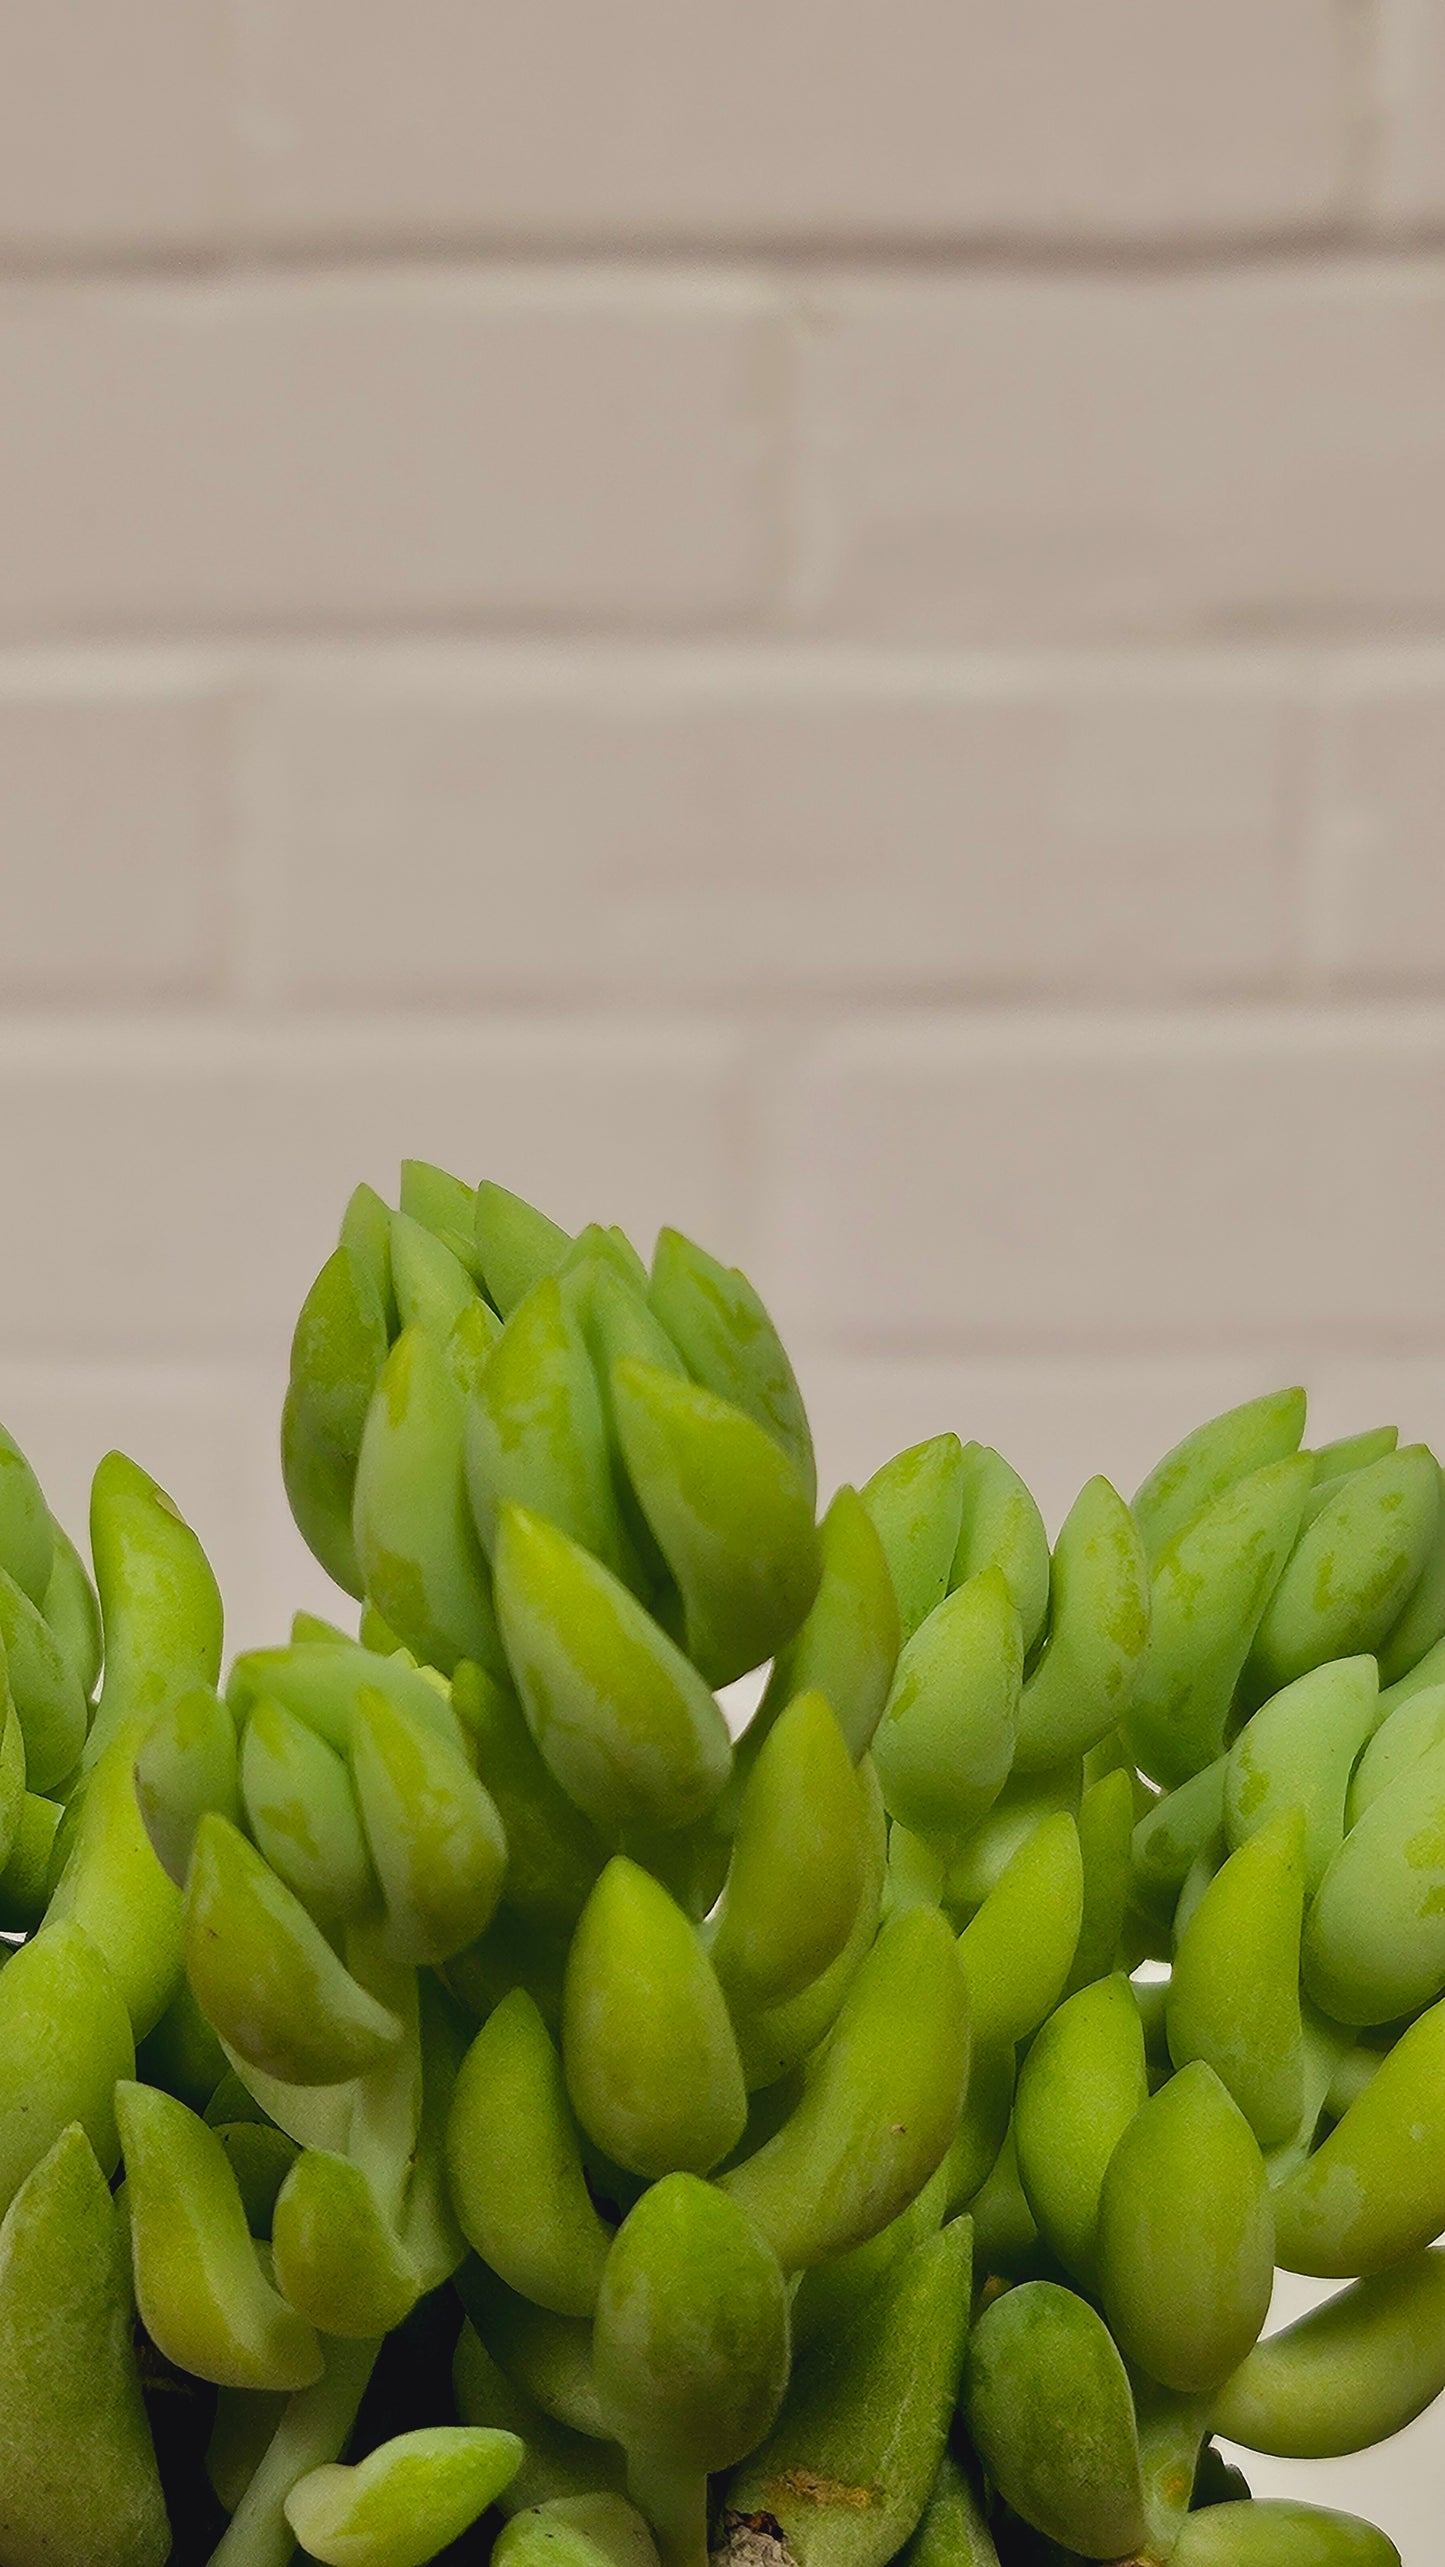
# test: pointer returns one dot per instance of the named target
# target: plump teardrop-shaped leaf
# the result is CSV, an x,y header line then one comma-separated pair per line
x,y
881,2105
1352,1452
431,1284
1234,1991
199,2284
110,1884
265,1975
443,1204
1374,2190
847,2468
65,2038
775,2040
71,1607
1017,1951
798,1862
916,1503
408,2499
1079,2088
44,1688
1351,2372
1212,1458
433,1832
1374,1947
691,2334
536,1433
187,1763
301,1809
1209,1586
626,1724
1298,1752
1185,2240
337,2260
1274,2531
415,1539
1407,1731
78,2477
516,1245
651,2061
336,1358
159,1601
1002,1528
1050,2413
514,2164
27,1536
729,1344
593,2530
618,1324
1421,1619
847,1647
1351,1571
729,1512
946,1740
1083,1681
366,1230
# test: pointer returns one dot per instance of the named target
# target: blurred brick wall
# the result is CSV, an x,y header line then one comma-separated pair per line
x,y
821,617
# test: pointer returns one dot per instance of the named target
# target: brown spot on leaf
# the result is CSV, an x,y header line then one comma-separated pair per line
x,y
814,2490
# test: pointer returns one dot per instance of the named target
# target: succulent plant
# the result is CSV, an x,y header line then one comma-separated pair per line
x,y
461,2095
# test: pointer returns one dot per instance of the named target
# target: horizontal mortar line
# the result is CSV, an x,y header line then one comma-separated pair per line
x,y
308,630
77,1040
797,1007
1308,246
1048,1356
456,658
813,1008
927,1348
1299,639
932,1042
98,1369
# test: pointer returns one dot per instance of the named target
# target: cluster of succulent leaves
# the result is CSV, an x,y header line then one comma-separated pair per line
x,y
458,2098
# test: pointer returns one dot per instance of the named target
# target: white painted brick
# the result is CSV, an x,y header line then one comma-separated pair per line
x,y
172,1190
115,123
1382,839
404,446
114,837
1043,1183
756,822
191,1426
1412,141
758,119
1220,456
1059,1420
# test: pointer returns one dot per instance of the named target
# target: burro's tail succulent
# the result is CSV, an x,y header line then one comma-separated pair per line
x,y
461,2088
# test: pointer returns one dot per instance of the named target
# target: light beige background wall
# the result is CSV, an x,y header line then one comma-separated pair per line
x,y
825,618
